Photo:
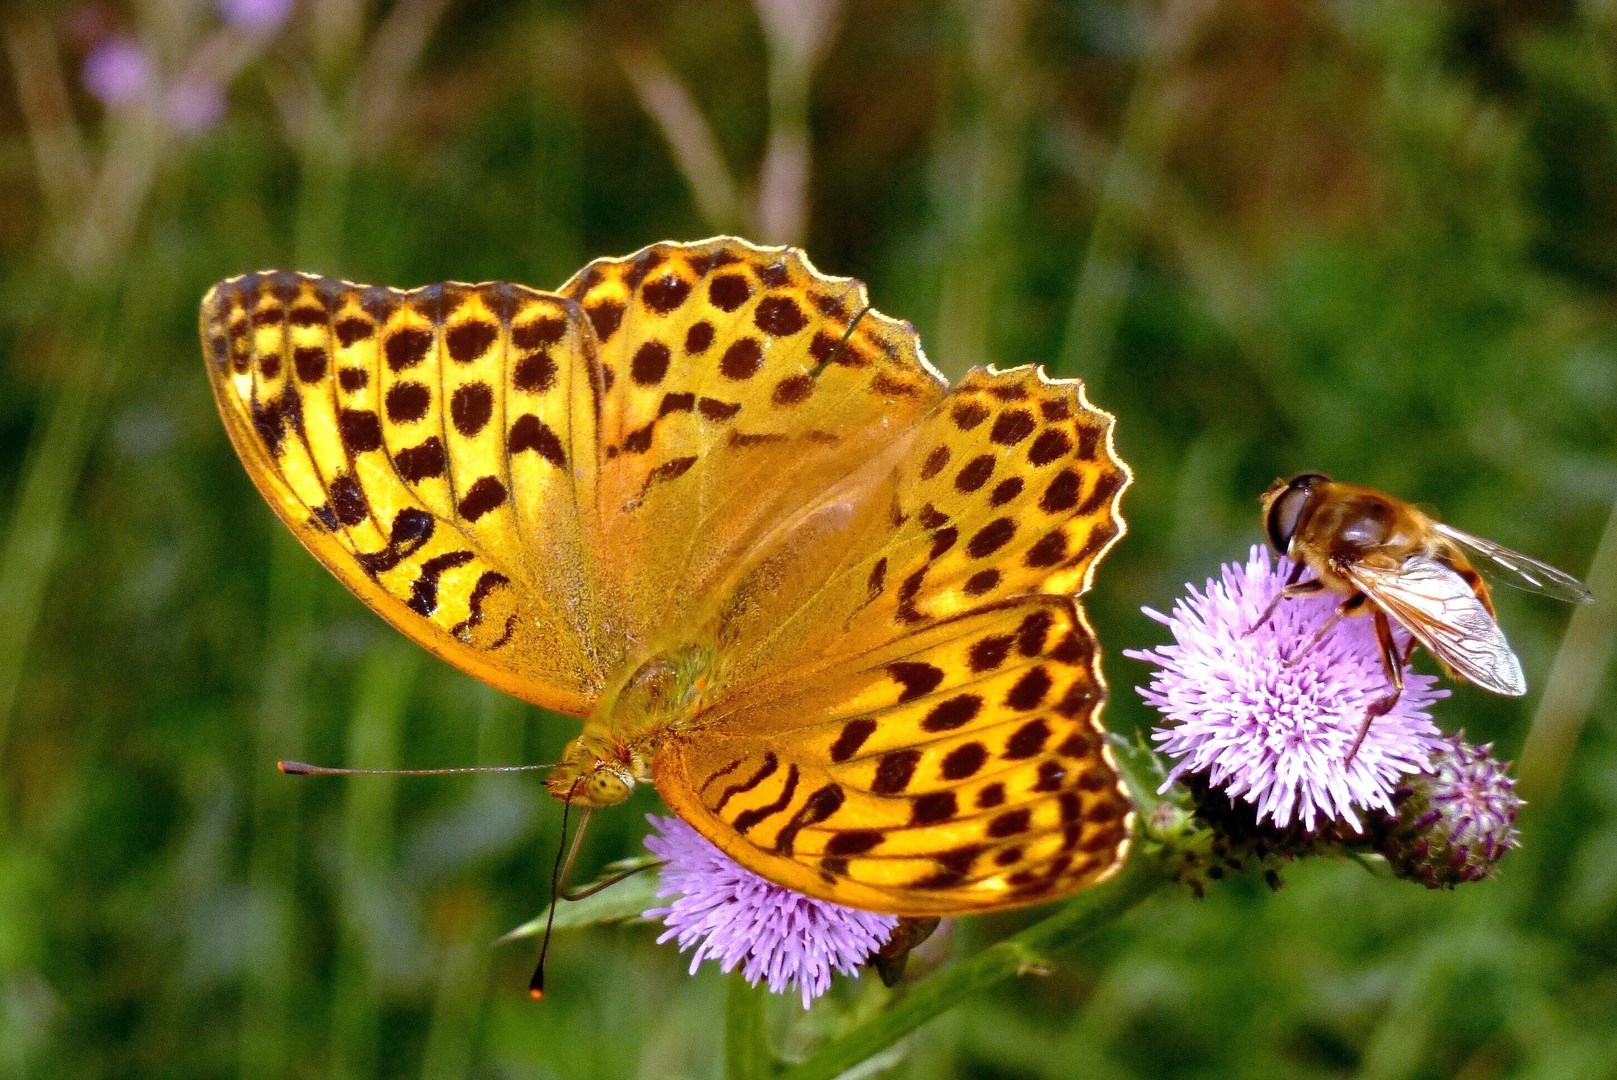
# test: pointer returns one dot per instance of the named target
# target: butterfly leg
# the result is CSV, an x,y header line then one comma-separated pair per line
x,y
1293,589
560,885
566,891
1393,661
569,893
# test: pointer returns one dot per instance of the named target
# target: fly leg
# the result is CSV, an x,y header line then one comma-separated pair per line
x,y
1350,606
1292,590
1393,662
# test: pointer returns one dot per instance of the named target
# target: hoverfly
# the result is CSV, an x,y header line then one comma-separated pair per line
x,y
1400,565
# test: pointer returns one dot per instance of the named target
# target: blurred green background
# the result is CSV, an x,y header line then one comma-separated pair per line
x,y
1376,239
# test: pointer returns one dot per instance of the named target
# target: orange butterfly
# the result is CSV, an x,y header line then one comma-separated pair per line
x,y
707,499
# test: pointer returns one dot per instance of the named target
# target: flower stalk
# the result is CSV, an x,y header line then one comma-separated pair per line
x,y
746,1035
1032,949
1153,863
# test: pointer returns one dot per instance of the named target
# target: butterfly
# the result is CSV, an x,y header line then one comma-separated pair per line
x,y
711,502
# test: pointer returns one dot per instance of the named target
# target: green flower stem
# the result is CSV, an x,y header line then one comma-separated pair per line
x,y
995,965
746,1039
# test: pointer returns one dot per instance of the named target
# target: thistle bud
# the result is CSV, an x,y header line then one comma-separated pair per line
x,y
1455,823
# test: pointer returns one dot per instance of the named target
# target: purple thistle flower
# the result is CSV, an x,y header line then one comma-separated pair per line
x,y
730,914
117,71
1273,734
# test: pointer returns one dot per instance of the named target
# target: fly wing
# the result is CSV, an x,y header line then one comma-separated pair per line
x,y
1515,569
1435,604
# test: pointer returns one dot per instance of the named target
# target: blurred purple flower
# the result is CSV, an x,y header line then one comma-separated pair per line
x,y
117,71
1273,734
256,16
730,914
195,106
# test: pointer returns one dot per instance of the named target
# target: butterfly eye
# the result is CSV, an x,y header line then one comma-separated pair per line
x,y
605,788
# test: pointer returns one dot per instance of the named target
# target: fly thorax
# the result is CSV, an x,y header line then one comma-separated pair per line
x,y
1353,528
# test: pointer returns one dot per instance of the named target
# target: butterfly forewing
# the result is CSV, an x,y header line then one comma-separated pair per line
x,y
435,449
1008,486
742,385
1011,487
1441,609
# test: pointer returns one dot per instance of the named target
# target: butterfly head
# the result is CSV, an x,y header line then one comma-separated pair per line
x,y
596,770
602,766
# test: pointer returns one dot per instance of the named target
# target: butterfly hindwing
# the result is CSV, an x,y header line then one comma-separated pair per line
x,y
943,562
960,768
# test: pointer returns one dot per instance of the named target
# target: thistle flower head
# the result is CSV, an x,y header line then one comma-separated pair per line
x,y
727,913
1455,823
1263,720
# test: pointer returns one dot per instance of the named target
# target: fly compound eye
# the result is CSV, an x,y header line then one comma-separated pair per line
x,y
1285,510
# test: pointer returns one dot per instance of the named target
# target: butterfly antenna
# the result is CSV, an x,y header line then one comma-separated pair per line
x,y
564,862
299,768
846,334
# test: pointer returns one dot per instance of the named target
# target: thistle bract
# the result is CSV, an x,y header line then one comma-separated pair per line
x,y
1455,823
